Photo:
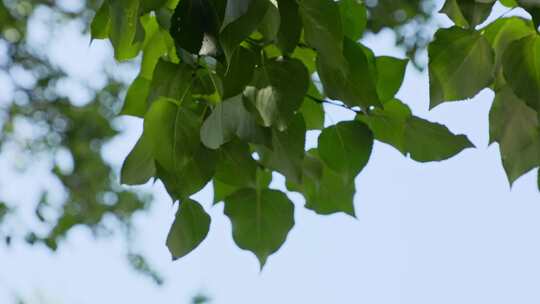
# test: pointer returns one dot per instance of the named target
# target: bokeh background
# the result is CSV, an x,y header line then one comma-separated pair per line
x,y
448,232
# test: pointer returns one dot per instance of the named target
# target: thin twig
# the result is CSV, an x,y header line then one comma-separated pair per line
x,y
337,104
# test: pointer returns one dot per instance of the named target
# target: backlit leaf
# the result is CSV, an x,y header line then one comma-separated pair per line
x,y
521,68
139,166
124,16
136,101
502,32
171,80
101,24
184,165
461,64
468,13
515,127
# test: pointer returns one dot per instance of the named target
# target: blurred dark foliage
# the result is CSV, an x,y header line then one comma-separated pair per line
x,y
200,299
408,19
91,185
93,193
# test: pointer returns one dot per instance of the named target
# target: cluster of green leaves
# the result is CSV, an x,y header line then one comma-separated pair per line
x,y
228,89
503,56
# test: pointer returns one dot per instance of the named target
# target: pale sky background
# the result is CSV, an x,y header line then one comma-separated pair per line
x,y
445,233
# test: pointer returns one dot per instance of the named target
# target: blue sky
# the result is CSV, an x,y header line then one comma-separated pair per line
x,y
448,232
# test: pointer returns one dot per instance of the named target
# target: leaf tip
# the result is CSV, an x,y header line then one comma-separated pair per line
x,y
262,259
433,103
262,262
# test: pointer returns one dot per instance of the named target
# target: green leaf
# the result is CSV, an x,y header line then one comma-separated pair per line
x,y
194,26
236,166
234,10
287,152
390,74
290,27
427,141
500,34
171,81
323,30
503,31
509,3
191,177
353,18
101,24
521,68
183,164
261,220
388,125
124,15
222,190
325,191
538,178
279,89
307,56
157,43
231,119
135,103
139,166
205,86
424,141
189,229
515,127
173,133
312,111
239,72
269,26
461,64
242,17
355,87
346,147
468,13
